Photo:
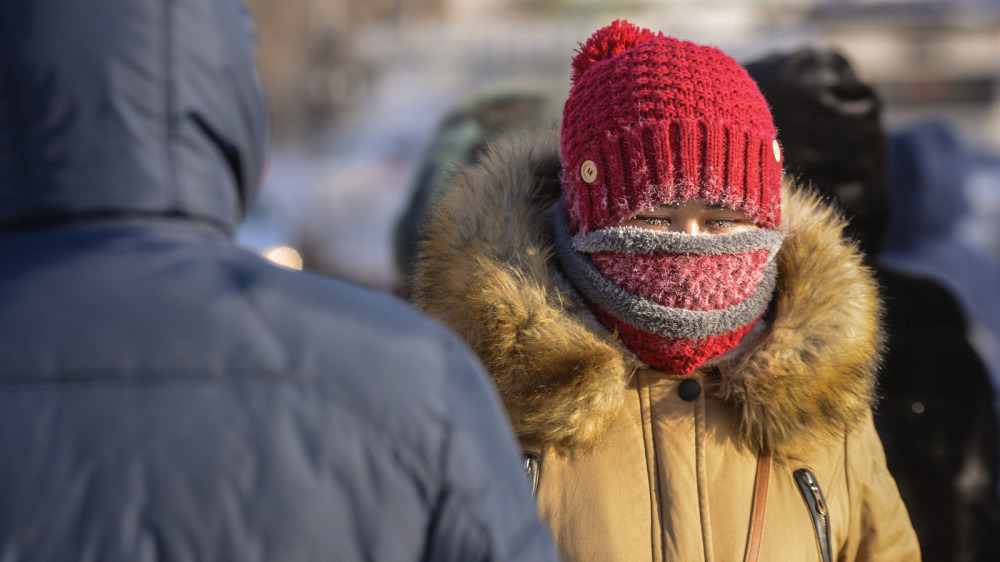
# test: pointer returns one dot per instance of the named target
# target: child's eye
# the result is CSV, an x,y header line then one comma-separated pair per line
x,y
721,223
656,221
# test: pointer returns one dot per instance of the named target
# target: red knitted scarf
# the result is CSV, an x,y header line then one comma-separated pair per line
x,y
687,281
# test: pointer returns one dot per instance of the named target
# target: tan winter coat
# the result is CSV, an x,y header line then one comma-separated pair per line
x,y
630,467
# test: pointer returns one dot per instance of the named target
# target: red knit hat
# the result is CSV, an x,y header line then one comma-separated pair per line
x,y
653,120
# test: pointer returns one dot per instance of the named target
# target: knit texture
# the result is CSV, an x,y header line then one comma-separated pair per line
x,y
652,120
685,280
671,355
676,300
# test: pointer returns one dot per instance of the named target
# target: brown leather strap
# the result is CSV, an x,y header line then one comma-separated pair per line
x,y
759,505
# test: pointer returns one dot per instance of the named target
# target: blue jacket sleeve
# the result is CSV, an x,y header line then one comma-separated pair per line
x,y
485,510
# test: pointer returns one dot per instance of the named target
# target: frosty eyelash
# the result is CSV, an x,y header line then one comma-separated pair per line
x,y
656,221
721,223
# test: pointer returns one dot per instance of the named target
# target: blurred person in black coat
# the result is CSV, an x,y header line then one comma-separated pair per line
x,y
936,417
930,168
167,395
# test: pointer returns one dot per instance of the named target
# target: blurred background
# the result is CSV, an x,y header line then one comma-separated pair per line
x,y
357,89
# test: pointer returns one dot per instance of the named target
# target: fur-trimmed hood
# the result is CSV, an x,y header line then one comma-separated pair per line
x,y
486,269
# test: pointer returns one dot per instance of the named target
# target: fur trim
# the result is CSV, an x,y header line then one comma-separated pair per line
x,y
486,270
814,372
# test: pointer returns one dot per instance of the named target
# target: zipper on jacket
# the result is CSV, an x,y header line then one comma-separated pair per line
x,y
813,495
530,468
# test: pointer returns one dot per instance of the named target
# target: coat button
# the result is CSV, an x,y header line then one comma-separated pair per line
x,y
689,389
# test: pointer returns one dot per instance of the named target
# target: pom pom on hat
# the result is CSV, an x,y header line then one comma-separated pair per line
x,y
667,121
607,42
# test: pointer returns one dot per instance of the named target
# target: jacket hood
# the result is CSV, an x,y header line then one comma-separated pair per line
x,y
112,107
927,167
830,127
487,268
